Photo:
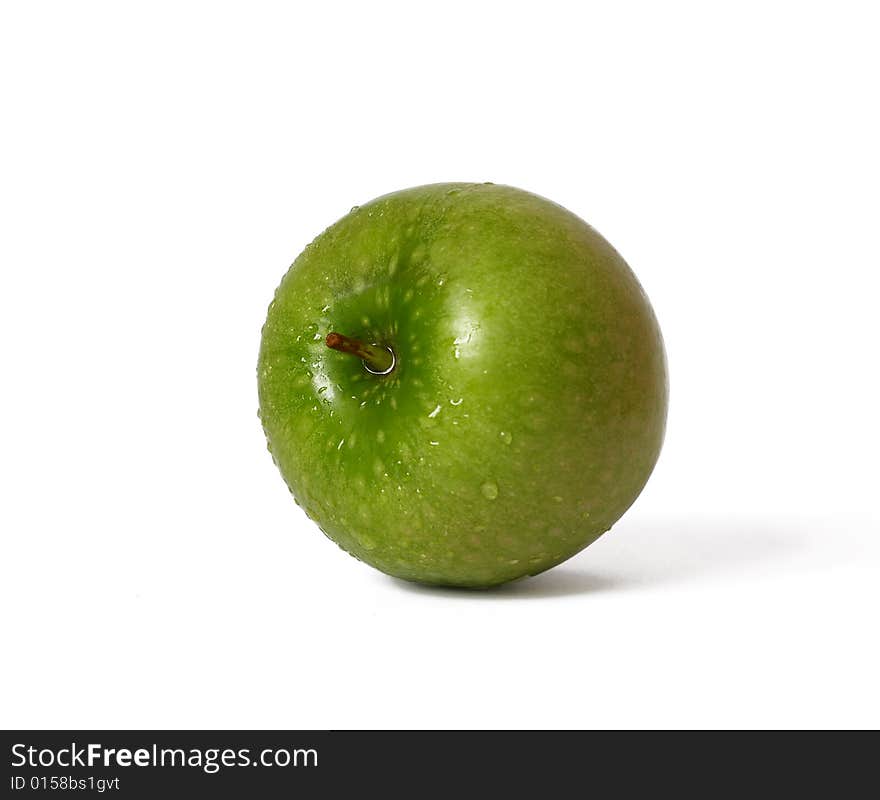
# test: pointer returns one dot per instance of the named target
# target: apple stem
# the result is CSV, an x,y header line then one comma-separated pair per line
x,y
377,359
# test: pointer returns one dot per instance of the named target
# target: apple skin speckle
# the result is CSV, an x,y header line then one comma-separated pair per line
x,y
527,405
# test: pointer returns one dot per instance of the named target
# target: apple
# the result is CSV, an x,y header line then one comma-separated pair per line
x,y
462,384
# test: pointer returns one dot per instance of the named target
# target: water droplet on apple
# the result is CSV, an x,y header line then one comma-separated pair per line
x,y
456,402
353,209
365,541
489,490
506,437
437,409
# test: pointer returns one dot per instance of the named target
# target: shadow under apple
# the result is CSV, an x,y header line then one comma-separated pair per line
x,y
646,553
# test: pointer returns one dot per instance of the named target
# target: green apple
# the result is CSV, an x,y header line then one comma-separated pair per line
x,y
462,384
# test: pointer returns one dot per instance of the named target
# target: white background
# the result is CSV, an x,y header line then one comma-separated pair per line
x,y
163,163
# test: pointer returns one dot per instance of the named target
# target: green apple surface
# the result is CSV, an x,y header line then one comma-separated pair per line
x,y
462,384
